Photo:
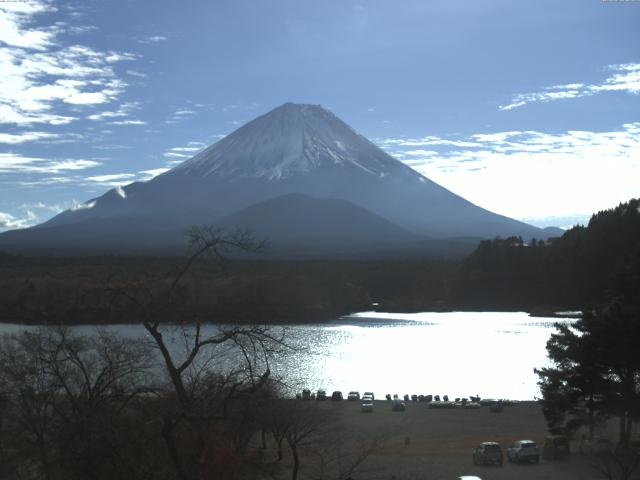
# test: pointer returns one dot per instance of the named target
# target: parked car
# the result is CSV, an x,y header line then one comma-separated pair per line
x,y
321,395
523,451
595,446
366,398
556,447
367,407
306,394
398,406
487,453
336,396
373,397
353,396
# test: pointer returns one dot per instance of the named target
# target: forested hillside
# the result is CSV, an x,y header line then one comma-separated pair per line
x,y
586,265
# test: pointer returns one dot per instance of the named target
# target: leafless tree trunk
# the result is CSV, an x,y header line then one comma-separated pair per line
x,y
197,408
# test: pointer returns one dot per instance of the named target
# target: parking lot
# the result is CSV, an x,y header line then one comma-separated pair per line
x,y
427,443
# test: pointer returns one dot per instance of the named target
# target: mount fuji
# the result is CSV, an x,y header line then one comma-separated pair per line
x,y
297,175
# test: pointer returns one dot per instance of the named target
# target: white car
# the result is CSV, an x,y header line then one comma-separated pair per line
x,y
367,407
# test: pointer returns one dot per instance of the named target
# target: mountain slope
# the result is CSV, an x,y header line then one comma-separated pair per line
x,y
297,218
294,148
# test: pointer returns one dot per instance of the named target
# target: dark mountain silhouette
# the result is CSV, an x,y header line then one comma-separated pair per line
x,y
294,148
299,218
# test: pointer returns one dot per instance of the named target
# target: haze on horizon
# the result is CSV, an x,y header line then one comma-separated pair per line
x,y
529,110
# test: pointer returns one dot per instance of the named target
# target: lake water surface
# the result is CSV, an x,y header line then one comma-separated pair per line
x,y
455,353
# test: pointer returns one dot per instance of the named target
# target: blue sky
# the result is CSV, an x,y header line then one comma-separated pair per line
x,y
530,108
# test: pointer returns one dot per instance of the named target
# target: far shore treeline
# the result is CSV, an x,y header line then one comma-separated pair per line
x,y
586,266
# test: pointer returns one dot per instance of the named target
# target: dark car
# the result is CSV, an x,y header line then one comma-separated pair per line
x,y
595,446
523,451
398,406
321,395
556,447
488,453
336,396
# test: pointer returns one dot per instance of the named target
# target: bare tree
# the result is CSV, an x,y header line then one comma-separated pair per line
x,y
342,454
66,397
202,376
620,464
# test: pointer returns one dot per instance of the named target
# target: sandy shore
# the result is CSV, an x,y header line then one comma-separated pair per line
x,y
427,443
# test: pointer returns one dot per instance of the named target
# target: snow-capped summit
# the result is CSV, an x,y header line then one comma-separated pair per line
x,y
289,140
295,162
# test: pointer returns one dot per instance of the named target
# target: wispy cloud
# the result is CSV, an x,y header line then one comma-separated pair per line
x,y
42,77
112,180
623,78
154,172
24,137
10,222
55,208
184,152
153,39
128,122
518,172
124,110
16,163
180,115
29,214
135,73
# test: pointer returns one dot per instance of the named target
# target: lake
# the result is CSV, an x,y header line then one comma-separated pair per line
x,y
491,354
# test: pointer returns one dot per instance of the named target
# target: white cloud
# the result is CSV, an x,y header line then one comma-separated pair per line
x,y
626,78
180,115
15,163
55,208
124,110
111,177
112,180
14,20
10,222
184,152
152,173
128,122
135,73
153,39
526,174
29,214
24,137
176,155
41,74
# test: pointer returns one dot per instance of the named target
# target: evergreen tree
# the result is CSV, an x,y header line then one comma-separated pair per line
x,y
596,371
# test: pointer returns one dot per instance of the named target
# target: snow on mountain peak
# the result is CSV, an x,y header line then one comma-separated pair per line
x,y
291,139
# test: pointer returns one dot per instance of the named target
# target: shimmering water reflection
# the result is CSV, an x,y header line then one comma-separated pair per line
x,y
455,353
